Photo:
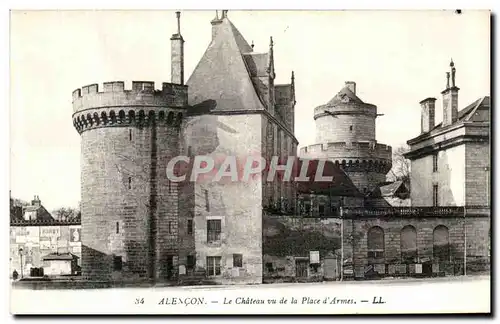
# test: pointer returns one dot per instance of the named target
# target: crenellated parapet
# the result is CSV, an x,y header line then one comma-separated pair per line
x,y
115,106
354,156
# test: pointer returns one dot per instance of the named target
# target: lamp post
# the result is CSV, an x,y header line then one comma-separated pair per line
x,y
21,256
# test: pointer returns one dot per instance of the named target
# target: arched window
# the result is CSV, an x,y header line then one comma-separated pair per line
x,y
376,243
441,244
409,244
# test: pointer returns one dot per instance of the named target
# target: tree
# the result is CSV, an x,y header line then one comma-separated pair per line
x,y
400,166
67,214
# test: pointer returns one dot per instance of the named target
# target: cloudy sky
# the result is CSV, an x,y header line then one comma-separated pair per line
x,y
396,58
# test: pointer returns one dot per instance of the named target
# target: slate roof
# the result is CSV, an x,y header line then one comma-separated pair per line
x,y
222,75
478,111
59,256
388,189
257,63
341,185
344,94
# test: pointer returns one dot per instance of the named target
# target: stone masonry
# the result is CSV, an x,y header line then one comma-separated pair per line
x,y
129,208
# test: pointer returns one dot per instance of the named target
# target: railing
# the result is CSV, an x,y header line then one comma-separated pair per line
x,y
355,212
404,211
39,222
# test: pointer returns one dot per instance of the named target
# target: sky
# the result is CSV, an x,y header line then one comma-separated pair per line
x,y
396,58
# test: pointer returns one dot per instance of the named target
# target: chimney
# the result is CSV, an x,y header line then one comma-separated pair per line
x,y
351,85
450,98
428,114
36,201
215,24
177,54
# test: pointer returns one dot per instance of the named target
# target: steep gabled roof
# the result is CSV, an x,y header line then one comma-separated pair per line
x,y
343,96
221,74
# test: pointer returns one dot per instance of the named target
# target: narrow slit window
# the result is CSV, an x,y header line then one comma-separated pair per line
x,y
207,202
129,182
130,135
434,163
435,195
117,227
350,128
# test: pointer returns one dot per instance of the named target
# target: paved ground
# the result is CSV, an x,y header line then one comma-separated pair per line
x,y
388,281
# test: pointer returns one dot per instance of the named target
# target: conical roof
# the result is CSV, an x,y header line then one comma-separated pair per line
x,y
221,74
345,95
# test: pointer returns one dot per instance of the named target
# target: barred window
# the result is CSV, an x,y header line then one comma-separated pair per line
x,y
213,265
213,230
409,244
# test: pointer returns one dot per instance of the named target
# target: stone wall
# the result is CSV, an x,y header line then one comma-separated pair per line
x,y
477,242
129,208
477,174
236,204
449,177
288,240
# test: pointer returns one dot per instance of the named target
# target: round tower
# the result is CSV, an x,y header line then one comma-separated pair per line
x,y
129,208
345,135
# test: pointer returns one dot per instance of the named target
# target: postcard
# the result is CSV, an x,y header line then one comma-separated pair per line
x,y
250,162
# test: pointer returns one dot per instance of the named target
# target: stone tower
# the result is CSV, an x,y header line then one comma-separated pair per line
x,y
345,135
130,213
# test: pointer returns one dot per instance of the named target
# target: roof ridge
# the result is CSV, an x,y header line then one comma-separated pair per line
x,y
473,110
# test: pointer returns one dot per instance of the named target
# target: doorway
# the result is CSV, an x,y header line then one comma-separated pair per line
x,y
170,267
301,268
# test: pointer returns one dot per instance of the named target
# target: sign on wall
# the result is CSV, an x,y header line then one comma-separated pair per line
x,y
75,235
313,257
52,232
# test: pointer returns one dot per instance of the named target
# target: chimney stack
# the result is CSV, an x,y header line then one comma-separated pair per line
x,y
428,114
215,24
450,98
351,85
177,54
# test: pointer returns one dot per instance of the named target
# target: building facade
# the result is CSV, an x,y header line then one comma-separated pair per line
x,y
246,115
450,161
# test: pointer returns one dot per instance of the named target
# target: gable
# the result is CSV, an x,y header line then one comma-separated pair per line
x,y
221,74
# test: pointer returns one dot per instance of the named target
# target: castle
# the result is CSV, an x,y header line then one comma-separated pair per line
x,y
138,225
